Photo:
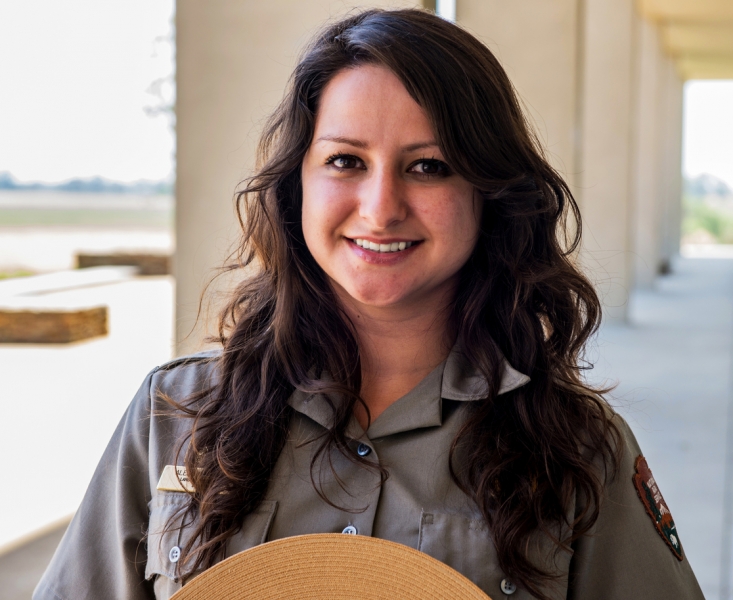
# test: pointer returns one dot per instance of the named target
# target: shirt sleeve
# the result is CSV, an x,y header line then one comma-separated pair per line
x,y
102,554
624,555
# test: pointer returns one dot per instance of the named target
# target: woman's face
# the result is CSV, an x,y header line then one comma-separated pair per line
x,y
385,217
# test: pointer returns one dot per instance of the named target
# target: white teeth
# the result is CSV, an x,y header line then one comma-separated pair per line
x,y
393,247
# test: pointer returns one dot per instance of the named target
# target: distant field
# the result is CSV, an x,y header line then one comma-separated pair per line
x,y
18,217
39,209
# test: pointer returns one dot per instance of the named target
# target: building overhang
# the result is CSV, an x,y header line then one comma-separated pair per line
x,y
698,34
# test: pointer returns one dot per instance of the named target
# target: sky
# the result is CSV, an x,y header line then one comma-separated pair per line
x,y
75,81
77,85
708,129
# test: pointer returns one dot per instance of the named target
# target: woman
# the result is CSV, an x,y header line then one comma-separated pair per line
x,y
402,359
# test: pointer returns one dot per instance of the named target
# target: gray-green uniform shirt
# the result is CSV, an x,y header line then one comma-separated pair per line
x,y
105,554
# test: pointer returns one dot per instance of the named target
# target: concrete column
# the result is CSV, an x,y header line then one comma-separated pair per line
x,y
233,60
537,43
671,156
604,164
646,222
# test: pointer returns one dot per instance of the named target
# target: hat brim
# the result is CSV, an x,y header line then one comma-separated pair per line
x,y
330,566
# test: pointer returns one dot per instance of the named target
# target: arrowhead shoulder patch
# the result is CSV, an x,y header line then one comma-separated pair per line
x,y
656,507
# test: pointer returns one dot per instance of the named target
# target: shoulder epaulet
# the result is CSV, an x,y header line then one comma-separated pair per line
x,y
199,357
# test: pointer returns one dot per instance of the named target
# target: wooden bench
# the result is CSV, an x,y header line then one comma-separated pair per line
x,y
33,312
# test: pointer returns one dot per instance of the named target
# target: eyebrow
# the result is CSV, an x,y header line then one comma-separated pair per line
x,y
361,144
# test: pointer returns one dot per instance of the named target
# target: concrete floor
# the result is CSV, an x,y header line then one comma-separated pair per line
x,y
672,365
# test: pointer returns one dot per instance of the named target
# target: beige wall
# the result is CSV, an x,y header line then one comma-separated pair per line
x,y
233,60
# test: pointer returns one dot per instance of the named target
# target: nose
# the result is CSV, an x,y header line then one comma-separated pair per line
x,y
382,202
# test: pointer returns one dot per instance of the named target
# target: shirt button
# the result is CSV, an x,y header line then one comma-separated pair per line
x,y
350,530
508,587
174,554
363,450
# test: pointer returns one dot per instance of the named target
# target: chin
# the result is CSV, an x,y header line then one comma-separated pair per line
x,y
381,299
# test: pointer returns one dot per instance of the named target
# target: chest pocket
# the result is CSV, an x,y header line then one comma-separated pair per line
x,y
166,538
465,545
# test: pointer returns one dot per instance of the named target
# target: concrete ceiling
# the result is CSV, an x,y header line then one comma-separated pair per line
x,y
697,33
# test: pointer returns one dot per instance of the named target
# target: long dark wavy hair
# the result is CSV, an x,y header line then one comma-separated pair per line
x,y
524,456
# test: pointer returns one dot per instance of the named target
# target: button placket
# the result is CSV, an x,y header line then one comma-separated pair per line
x,y
367,499
175,553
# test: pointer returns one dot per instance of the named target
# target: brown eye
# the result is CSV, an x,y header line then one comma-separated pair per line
x,y
431,167
344,161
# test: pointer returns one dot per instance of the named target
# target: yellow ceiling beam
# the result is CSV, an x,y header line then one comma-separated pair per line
x,y
697,39
711,11
691,67
698,34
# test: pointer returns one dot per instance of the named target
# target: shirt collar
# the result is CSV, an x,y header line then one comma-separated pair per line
x,y
462,381
453,379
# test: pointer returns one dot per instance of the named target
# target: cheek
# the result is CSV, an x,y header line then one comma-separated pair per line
x,y
456,221
324,211
309,217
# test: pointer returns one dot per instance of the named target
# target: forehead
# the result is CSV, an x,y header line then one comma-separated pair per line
x,y
369,102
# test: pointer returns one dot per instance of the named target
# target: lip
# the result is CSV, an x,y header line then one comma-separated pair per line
x,y
381,240
383,258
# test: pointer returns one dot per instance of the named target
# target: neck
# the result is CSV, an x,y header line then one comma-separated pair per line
x,y
399,346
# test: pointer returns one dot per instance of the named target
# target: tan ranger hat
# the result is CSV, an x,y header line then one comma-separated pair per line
x,y
330,566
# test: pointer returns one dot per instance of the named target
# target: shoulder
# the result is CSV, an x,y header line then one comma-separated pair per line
x,y
186,375
628,445
632,500
182,380
200,358
634,534
625,450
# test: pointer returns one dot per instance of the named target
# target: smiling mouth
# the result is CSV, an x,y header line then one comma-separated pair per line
x,y
383,248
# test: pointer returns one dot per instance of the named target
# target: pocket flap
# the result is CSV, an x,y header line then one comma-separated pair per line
x,y
255,528
463,544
